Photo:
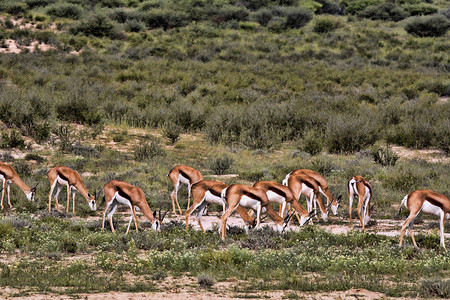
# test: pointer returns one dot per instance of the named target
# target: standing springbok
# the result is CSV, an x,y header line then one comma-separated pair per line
x,y
182,175
428,202
358,186
119,192
63,176
206,192
8,175
323,187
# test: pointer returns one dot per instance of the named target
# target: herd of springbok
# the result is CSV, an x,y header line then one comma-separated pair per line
x,y
233,197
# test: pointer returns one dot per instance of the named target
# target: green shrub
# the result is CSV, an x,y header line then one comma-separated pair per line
x,y
329,7
434,25
323,25
349,134
36,157
65,10
66,137
221,164
312,142
435,287
384,156
171,131
147,151
12,139
385,12
41,131
231,13
134,26
298,17
14,8
421,9
263,16
97,25
205,281
36,3
165,19
356,6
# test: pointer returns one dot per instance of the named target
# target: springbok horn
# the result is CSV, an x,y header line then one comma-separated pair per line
x,y
163,215
372,208
263,217
159,214
339,198
35,186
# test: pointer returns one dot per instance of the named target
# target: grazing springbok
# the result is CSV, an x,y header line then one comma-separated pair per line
x,y
428,202
323,187
358,186
308,186
119,192
206,192
182,175
8,175
283,195
63,176
253,198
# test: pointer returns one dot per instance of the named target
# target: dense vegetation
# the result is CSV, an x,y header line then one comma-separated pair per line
x,y
340,76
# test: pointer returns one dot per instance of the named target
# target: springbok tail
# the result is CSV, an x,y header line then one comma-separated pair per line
x,y
403,203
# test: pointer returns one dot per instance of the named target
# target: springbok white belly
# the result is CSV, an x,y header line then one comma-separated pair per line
x,y
183,179
249,202
121,199
427,207
210,198
274,197
306,190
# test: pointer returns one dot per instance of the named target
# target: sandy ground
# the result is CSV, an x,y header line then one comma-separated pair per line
x,y
217,292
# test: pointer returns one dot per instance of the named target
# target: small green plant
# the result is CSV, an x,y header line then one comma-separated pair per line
x,y
65,136
171,131
148,150
435,287
221,164
384,156
12,139
324,25
205,281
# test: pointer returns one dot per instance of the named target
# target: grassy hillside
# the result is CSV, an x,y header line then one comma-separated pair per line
x,y
255,73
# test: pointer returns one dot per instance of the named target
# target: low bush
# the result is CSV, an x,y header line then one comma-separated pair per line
x,y
299,17
435,287
384,156
205,281
385,12
421,9
329,7
165,19
65,10
434,25
97,25
171,131
263,16
353,7
324,25
36,3
221,164
12,139
231,13
148,150
15,8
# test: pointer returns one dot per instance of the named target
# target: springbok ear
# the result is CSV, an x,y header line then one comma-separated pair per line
x,y
154,214
339,199
89,195
163,215
97,195
311,213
